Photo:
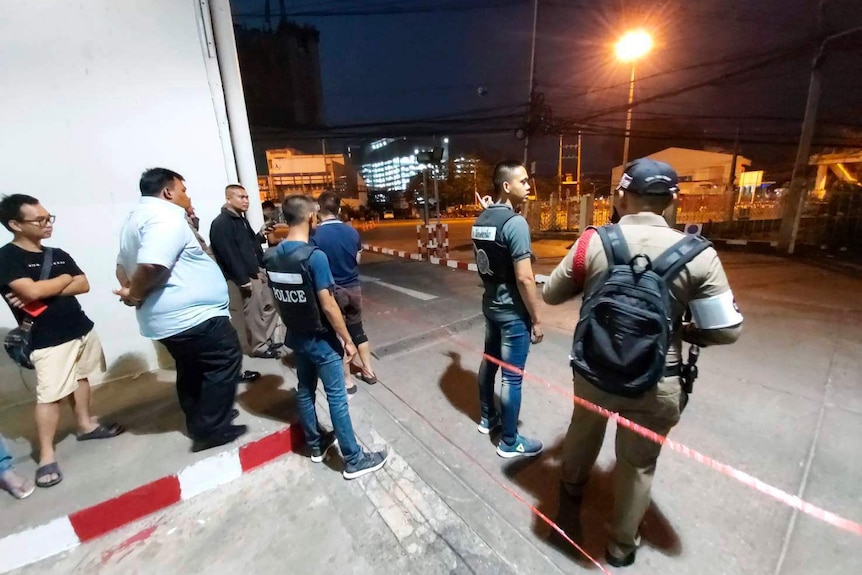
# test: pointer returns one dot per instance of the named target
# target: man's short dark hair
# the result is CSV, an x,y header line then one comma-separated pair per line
x,y
267,205
296,209
656,203
329,202
10,207
503,172
154,180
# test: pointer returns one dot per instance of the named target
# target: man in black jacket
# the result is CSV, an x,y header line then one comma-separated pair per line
x,y
238,253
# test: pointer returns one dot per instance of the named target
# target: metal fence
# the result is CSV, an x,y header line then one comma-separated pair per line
x,y
833,225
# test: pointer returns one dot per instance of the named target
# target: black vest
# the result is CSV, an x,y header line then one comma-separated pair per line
x,y
493,258
293,290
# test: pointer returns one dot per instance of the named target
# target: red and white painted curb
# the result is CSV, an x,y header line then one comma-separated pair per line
x,y
454,264
64,533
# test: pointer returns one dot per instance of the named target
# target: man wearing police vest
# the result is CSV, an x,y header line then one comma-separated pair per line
x,y
302,285
501,242
639,278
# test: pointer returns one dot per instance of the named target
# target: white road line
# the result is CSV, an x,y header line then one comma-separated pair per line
x,y
411,292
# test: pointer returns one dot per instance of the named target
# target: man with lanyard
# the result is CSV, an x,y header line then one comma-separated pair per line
x,y
302,285
342,246
501,240
646,189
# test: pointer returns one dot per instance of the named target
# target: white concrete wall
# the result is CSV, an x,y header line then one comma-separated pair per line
x,y
93,92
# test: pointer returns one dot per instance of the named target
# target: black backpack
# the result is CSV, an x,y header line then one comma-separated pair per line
x,y
625,326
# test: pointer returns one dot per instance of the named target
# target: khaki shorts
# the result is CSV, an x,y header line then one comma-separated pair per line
x,y
59,368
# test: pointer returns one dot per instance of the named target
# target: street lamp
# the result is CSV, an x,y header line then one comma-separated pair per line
x,y
633,46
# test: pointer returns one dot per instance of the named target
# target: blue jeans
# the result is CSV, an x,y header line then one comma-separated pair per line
x,y
508,341
320,357
5,457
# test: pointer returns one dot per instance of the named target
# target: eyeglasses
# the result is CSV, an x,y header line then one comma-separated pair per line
x,y
41,222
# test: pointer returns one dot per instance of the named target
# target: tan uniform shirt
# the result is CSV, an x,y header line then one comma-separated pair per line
x,y
648,233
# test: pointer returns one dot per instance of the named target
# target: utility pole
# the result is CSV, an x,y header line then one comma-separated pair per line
x,y
798,189
560,169
629,118
425,192
532,79
579,163
475,177
437,194
731,181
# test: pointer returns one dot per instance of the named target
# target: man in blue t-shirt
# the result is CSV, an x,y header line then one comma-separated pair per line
x,y
342,246
302,285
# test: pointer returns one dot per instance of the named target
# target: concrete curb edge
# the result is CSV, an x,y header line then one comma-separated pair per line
x,y
67,532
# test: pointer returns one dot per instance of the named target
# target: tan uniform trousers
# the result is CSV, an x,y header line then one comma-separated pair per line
x,y
258,313
659,410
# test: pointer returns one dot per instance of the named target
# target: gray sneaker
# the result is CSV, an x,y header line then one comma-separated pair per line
x,y
487,425
523,447
369,462
327,442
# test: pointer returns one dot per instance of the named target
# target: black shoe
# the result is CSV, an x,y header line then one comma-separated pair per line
x,y
270,353
327,442
230,433
249,375
370,461
620,561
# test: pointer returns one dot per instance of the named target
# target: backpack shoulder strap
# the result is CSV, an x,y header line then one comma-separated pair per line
x,y
616,249
672,260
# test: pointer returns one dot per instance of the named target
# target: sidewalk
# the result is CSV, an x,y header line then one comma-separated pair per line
x,y
154,445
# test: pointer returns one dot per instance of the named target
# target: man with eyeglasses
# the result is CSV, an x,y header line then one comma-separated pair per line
x,y
65,347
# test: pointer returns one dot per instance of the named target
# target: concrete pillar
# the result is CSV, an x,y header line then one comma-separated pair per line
x,y
585,218
240,134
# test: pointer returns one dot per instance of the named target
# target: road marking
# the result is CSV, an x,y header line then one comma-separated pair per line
x,y
411,292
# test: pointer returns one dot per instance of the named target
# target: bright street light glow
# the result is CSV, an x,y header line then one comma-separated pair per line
x,y
633,46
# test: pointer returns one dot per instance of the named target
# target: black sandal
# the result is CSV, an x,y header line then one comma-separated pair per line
x,y
45,471
103,431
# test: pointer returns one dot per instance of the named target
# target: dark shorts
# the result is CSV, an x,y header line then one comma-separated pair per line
x,y
349,299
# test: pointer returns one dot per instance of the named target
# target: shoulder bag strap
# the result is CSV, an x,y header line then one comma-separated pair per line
x,y
47,262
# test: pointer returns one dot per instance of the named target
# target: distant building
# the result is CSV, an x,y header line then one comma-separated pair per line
x,y
281,75
465,167
291,172
699,172
388,164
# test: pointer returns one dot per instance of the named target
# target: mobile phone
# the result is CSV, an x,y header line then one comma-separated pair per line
x,y
35,308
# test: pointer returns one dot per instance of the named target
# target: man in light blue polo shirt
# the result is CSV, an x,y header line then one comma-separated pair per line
x,y
181,300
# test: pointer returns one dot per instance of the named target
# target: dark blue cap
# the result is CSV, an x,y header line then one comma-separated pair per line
x,y
648,176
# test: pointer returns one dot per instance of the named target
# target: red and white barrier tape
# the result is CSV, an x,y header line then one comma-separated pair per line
x,y
723,468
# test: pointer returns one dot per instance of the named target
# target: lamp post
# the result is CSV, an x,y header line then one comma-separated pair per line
x,y
633,46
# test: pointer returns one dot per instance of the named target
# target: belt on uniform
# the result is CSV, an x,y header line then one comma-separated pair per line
x,y
672,370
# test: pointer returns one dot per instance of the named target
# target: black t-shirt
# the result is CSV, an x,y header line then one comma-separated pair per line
x,y
63,320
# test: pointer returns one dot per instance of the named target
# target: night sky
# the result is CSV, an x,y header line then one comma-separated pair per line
x,y
379,68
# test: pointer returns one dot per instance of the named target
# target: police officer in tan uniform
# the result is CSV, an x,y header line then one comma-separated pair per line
x,y
646,189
